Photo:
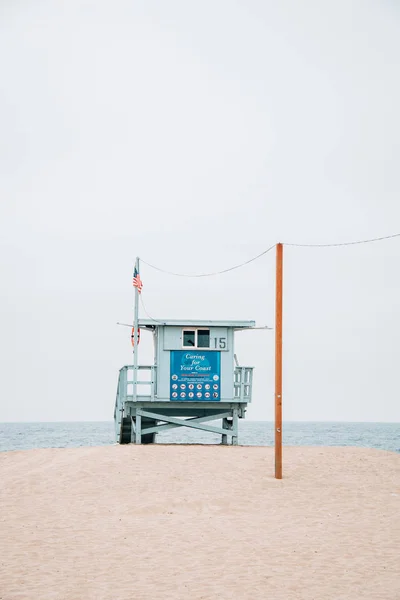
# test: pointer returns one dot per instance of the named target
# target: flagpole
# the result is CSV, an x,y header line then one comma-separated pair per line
x,y
136,336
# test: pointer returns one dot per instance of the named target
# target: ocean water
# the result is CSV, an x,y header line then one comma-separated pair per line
x,y
25,436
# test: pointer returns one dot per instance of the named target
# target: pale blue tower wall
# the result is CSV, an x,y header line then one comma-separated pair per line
x,y
170,338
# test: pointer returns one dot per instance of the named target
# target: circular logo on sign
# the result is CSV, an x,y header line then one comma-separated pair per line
x,y
174,386
215,395
199,386
183,386
174,394
183,395
191,386
215,377
199,394
207,386
207,394
191,395
174,377
215,386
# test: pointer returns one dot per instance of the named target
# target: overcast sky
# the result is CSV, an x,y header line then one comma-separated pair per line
x,y
195,135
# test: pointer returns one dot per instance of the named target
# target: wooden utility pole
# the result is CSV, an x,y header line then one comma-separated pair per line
x,y
278,361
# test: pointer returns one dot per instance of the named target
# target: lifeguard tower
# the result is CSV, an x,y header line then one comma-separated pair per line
x,y
195,379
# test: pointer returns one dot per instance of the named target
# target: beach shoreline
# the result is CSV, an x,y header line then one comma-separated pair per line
x,y
199,521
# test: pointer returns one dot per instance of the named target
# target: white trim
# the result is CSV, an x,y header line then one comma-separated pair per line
x,y
196,330
198,323
195,337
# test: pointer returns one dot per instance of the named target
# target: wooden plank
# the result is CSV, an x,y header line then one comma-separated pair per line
x,y
162,427
159,417
122,422
187,404
278,361
225,426
235,428
182,422
138,428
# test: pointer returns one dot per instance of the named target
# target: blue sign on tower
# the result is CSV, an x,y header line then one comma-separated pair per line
x,y
195,375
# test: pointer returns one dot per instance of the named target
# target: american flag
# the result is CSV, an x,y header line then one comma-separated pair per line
x,y
137,282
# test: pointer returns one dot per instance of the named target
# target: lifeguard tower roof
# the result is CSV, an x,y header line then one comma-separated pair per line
x,y
196,323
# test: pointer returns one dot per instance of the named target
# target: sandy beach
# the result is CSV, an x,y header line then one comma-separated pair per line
x,y
199,522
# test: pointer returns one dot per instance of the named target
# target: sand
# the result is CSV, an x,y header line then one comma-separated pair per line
x,y
199,522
